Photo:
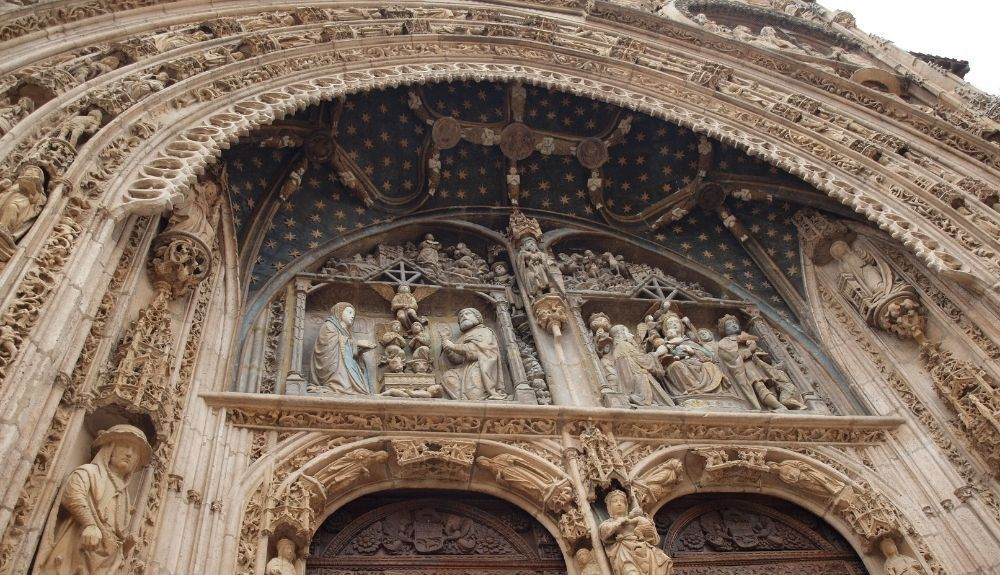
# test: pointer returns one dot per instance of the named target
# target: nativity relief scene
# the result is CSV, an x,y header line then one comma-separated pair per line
x,y
531,287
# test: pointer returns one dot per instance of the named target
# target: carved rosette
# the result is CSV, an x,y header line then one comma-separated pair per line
x,y
179,262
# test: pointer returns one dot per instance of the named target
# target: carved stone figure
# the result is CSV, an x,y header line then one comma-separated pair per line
x,y
21,202
586,564
420,347
11,114
748,369
87,530
859,264
336,361
637,371
393,342
75,127
536,266
896,563
198,213
429,254
404,305
478,373
631,540
284,563
693,369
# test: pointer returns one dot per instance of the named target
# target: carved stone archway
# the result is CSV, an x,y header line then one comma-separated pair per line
x,y
424,532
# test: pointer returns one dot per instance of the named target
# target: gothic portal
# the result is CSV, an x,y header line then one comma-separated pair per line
x,y
533,286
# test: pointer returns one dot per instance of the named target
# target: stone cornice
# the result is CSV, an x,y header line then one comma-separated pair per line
x,y
380,416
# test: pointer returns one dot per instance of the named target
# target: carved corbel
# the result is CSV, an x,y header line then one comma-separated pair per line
x,y
550,311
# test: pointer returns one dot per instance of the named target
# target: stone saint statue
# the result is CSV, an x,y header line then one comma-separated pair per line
x,y
540,272
637,370
337,366
284,563
896,563
631,540
746,367
479,374
86,533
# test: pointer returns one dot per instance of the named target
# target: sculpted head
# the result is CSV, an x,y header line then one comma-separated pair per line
x,y
123,448
839,249
729,325
529,244
286,549
617,503
583,557
888,547
403,289
705,335
344,312
469,318
673,325
620,332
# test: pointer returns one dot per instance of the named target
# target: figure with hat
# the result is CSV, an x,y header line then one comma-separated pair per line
x,y
87,531
631,540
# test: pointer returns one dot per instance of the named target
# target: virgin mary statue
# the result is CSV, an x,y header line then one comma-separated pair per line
x,y
337,366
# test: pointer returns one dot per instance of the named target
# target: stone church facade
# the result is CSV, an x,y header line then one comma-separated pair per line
x,y
520,287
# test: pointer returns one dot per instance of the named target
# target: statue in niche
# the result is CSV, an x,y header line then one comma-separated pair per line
x,y
896,563
478,373
87,531
748,368
20,204
336,361
631,540
539,275
586,563
636,371
11,114
692,369
284,563
860,265
393,342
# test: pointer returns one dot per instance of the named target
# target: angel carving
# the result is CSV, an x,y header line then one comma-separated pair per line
x,y
405,301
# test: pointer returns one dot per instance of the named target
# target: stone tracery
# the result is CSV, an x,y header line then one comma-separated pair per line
x,y
121,80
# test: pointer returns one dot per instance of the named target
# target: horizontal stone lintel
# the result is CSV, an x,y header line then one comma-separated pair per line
x,y
377,416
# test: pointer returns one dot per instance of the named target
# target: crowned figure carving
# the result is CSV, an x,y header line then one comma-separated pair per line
x,y
631,541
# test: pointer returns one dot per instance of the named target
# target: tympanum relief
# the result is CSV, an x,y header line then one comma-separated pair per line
x,y
444,318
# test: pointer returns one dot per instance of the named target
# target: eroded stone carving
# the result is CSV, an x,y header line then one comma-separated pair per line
x,y
550,492
652,486
87,532
20,204
448,459
897,563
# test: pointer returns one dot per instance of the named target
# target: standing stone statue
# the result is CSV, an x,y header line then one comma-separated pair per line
x,y
87,530
631,540
636,370
540,271
478,373
337,366
284,563
747,368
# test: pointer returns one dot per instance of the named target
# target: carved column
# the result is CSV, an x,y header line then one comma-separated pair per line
x,y
295,381
523,392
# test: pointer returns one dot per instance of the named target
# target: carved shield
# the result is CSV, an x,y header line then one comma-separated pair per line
x,y
428,531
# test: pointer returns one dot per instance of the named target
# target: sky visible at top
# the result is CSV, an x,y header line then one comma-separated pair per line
x,y
960,29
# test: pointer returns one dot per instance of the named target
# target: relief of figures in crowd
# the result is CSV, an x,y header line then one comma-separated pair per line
x,y
668,361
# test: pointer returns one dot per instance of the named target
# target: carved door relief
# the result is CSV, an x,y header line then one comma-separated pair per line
x,y
756,535
430,533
